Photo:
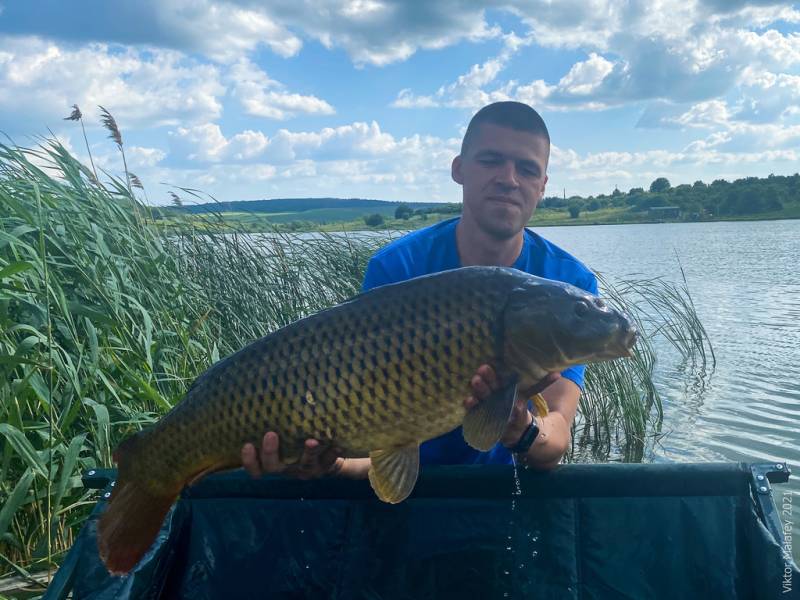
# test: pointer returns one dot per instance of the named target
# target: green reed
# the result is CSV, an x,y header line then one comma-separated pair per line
x,y
107,313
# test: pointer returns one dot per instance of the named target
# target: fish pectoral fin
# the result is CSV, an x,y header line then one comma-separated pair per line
x,y
485,423
393,472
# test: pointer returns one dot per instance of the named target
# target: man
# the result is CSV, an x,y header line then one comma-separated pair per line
x,y
502,169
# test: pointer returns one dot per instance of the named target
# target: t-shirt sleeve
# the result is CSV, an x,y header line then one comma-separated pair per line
x,y
376,275
577,372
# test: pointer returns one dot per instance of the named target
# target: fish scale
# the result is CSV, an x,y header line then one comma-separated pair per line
x,y
375,376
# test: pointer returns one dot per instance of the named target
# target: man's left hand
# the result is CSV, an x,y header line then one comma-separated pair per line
x,y
485,381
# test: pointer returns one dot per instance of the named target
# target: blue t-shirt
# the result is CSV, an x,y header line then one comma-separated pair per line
x,y
434,249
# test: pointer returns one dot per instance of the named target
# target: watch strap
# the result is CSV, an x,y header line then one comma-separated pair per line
x,y
527,438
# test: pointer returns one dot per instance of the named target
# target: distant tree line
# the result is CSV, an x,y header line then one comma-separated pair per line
x,y
405,211
747,196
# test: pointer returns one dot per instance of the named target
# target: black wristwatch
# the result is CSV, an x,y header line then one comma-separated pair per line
x,y
527,438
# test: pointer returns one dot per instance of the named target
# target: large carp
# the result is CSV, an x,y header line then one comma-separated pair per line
x,y
375,376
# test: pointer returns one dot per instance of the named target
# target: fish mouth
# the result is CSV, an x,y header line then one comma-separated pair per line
x,y
627,339
621,344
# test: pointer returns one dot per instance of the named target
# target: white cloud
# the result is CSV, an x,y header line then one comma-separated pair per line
x,y
770,48
708,114
206,143
355,159
226,32
670,50
139,156
417,167
467,90
600,172
246,145
575,88
39,82
407,99
201,143
261,96
386,31
376,32
585,77
220,30
261,172
379,32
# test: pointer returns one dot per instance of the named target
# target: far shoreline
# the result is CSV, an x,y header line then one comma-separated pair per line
x,y
330,228
257,222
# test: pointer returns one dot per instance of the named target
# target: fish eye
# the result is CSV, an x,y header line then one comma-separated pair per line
x,y
581,308
599,303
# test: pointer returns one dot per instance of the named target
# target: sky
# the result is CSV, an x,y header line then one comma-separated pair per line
x,y
246,99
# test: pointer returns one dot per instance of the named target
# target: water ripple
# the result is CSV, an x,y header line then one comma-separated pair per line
x,y
745,285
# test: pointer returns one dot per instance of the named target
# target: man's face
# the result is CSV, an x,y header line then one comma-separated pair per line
x,y
503,174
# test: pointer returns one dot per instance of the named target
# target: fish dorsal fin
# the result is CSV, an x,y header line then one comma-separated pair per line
x,y
393,472
485,423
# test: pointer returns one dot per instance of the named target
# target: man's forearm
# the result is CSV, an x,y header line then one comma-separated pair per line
x,y
551,444
554,436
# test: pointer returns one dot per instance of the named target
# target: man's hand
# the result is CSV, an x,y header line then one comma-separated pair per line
x,y
485,381
316,461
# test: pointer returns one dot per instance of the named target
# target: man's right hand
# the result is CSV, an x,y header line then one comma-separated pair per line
x,y
316,460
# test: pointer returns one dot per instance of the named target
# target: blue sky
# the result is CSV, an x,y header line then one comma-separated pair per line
x,y
369,98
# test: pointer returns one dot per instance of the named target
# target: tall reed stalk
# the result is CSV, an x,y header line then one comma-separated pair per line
x,y
106,318
77,115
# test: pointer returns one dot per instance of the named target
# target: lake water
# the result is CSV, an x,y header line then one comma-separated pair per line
x,y
745,283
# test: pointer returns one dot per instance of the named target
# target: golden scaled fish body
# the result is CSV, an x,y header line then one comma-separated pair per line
x,y
375,376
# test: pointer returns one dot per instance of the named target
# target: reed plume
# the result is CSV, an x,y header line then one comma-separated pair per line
x,y
114,133
77,115
111,124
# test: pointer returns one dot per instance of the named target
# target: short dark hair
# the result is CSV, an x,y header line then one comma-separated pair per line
x,y
514,115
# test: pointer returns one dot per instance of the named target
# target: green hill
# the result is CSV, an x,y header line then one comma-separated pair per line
x,y
306,205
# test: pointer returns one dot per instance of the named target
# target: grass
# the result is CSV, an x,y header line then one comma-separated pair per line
x,y
106,316
620,407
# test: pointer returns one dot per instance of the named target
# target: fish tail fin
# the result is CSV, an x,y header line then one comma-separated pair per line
x,y
134,514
